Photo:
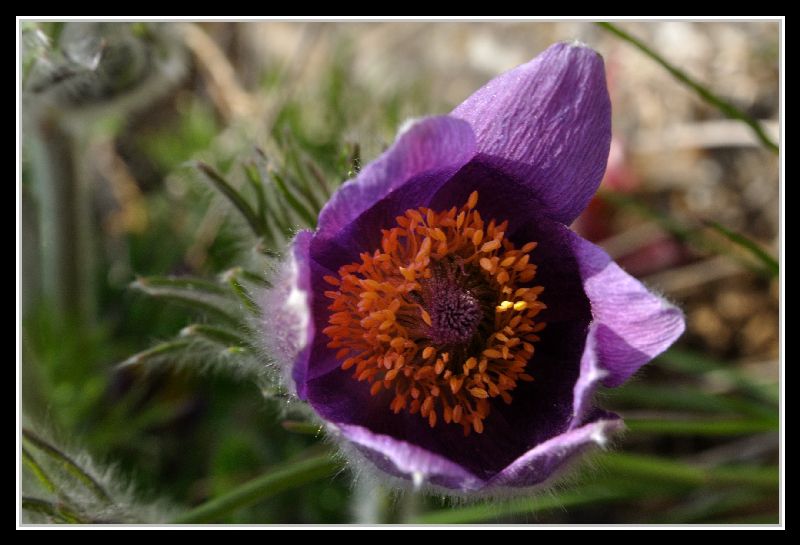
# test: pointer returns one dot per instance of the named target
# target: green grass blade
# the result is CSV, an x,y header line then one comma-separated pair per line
x,y
769,262
693,235
686,361
275,481
712,504
655,469
702,91
701,427
489,511
686,398
629,476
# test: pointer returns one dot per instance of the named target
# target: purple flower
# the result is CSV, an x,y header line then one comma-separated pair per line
x,y
443,317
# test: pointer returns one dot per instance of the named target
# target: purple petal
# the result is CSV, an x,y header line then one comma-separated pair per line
x,y
632,325
290,311
545,459
434,144
547,123
406,460
591,374
287,323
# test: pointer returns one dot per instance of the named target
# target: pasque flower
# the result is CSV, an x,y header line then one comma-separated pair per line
x,y
442,318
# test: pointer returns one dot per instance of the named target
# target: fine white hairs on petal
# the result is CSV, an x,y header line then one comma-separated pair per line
x,y
418,479
578,44
406,125
297,306
599,436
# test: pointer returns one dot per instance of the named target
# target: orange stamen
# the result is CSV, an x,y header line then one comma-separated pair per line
x,y
443,354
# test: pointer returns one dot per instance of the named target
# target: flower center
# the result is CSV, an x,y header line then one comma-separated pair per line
x,y
442,315
455,311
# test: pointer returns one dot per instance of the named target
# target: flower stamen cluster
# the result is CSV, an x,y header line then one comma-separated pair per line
x,y
442,316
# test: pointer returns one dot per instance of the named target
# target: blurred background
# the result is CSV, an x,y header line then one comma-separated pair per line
x,y
129,248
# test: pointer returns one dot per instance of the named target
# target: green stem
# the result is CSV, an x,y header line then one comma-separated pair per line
x,y
722,105
64,220
279,479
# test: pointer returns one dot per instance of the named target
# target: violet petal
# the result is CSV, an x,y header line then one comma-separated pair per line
x,y
434,144
632,324
547,123
403,459
545,459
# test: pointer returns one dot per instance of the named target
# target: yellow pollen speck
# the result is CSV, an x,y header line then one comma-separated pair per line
x,y
504,306
520,305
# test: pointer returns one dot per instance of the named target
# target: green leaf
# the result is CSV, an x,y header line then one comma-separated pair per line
x,y
213,333
66,463
59,512
304,428
308,217
249,276
156,353
189,283
285,477
232,278
253,176
235,198
303,185
213,304
38,471
702,91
